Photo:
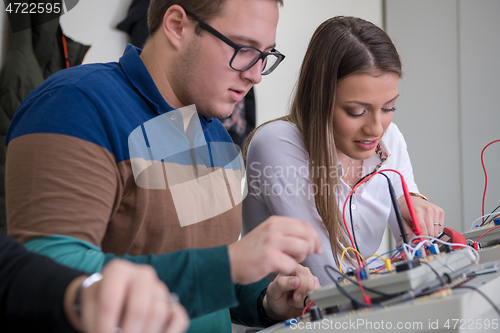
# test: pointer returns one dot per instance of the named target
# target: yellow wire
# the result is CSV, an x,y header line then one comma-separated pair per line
x,y
343,253
387,262
375,255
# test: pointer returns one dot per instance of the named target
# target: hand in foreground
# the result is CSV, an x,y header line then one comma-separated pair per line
x,y
129,296
275,246
430,216
285,295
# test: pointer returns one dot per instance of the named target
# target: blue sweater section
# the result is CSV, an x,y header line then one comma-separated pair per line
x,y
125,99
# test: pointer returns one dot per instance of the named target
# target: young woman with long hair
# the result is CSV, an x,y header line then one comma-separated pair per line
x,y
338,130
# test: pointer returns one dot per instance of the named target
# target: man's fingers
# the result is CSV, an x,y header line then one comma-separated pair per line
x,y
161,311
140,299
106,306
301,284
277,245
292,227
285,264
284,283
179,320
297,248
308,282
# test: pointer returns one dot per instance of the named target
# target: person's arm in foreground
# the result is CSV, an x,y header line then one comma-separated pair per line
x,y
37,294
128,296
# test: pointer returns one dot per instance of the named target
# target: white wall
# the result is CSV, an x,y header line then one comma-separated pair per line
x,y
93,22
427,110
298,20
479,49
449,104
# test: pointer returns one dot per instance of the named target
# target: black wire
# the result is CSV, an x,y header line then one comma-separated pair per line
x,y
363,178
397,211
342,290
435,272
350,210
482,294
355,282
489,217
352,224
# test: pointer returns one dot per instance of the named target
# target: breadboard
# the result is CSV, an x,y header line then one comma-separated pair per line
x,y
475,234
460,310
393,282
489,254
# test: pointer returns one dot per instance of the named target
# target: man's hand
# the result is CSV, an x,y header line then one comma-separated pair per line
x,y
130,297
430,216
285,295
275,246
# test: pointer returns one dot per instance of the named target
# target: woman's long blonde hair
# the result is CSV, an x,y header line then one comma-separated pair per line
x,y
340,46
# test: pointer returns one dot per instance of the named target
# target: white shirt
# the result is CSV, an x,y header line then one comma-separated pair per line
x,y
279,184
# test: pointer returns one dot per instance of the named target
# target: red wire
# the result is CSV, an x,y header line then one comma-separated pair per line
x,y
487,232
343,214
365,296
496,216
485,175
413,215
307,307
65,47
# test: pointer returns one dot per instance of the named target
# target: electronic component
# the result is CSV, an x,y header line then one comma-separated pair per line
x,y
436,312
475,234
411,276
451,236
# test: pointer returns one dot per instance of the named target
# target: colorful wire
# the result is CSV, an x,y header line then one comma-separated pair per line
x,y
485,174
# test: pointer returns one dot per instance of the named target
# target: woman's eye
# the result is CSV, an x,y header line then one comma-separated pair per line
x,y
355,113
389,110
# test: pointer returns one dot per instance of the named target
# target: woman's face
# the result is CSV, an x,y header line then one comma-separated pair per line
x,y
363,109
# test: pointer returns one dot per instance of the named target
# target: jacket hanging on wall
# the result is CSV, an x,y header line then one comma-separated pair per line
x,y
136,23
33,54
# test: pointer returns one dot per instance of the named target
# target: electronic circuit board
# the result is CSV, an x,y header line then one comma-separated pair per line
x,y
448,309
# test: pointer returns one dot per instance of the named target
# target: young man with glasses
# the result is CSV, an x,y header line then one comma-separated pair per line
x,y
81,166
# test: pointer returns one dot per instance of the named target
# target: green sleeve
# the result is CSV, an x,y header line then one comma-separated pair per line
x,y
246,311
201,277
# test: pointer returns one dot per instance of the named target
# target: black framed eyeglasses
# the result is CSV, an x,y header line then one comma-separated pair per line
x,y
244,56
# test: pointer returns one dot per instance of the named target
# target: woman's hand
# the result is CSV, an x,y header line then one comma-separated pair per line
x,y
430,216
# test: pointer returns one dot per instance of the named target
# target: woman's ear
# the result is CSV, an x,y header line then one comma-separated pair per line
x,y
175,22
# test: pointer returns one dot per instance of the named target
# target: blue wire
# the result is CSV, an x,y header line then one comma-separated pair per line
x,y
400,249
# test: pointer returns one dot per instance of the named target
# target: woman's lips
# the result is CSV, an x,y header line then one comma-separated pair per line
x,y
366,144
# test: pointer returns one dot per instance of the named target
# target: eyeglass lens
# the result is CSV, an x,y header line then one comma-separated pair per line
x,y
247,57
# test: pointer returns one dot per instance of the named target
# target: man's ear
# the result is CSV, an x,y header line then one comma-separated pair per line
x,y
175,22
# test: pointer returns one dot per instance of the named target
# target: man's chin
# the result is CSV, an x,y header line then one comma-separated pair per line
x,y
220,111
